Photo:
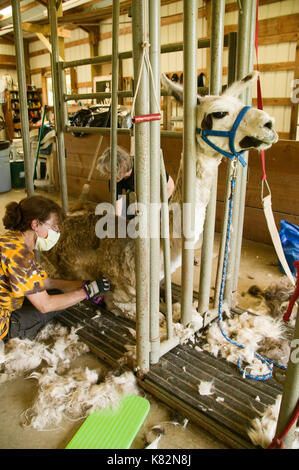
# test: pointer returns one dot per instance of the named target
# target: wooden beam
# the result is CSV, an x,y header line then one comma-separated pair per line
x,y
45,41
44,29
6,42
273,102
78,42
276,66
40,70
7,59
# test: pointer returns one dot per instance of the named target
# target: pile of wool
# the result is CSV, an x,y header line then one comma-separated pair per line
x,y
19,356
55,344
184,333
74,395
249,331
64,346
275,297
263,429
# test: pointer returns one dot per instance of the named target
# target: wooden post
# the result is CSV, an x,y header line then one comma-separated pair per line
x,y
93,33
60,39
74,82
27,63
294,106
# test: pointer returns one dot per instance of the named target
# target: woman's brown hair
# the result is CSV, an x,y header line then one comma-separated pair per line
x,y
18,216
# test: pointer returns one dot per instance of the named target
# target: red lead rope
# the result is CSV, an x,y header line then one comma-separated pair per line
x,y
259,90
277,442
294,297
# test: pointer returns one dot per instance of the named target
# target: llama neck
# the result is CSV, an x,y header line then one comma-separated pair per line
x,y
206,168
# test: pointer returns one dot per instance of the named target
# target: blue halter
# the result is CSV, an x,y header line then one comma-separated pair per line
x,y
231,136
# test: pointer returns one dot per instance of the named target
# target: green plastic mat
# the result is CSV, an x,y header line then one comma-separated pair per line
x,y
112,428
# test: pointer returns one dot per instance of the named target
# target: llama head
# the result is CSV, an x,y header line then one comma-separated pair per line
x,y
219,113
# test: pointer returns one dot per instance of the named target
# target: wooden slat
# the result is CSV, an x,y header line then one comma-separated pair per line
x,y
273,102
278,38
276,66
7,59
40,70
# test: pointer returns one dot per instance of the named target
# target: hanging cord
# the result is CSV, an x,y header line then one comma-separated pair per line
x,y
145,60
268,362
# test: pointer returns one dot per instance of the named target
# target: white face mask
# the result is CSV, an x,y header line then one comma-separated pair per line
x,y
45,244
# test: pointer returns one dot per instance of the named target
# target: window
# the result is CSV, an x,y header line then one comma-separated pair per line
x,y
50,92
50,88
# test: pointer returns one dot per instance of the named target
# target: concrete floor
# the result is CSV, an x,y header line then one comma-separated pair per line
x,y
258,266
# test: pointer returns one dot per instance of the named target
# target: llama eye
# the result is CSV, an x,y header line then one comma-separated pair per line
x,y
220,114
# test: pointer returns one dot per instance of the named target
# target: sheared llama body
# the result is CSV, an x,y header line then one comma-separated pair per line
x,y
80,254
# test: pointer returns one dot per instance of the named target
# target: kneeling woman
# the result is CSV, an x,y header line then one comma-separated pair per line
x,y
25,304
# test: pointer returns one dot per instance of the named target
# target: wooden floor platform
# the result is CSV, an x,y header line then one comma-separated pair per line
x,y
227,413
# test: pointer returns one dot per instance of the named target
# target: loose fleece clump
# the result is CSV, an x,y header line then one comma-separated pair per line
x,y
205,388
55,345
276,297
247,330
263,429
74,396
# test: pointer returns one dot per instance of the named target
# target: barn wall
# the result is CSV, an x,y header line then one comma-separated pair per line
x,y
283,179
279,36
277,49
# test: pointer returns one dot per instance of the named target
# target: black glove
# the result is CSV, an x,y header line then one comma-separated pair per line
x,y
96,288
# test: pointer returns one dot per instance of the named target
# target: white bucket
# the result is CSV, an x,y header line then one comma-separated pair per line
x,y
5,178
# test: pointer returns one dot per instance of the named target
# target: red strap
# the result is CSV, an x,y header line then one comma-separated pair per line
x,y
259,89
294,297
277,441
146,118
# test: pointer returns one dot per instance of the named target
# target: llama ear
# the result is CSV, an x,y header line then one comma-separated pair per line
x,y
171,88
238,87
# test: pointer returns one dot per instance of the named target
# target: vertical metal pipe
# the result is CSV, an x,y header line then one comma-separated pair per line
x,y
290,395
142,188
28,161
166,250
64,115
216,52
189,160
114,101
242,69
248,100
230,79
154,38
57,103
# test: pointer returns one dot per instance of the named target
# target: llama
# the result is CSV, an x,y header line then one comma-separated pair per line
x,y
80,254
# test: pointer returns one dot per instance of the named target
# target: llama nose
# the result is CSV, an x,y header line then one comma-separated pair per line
x,y
269,124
